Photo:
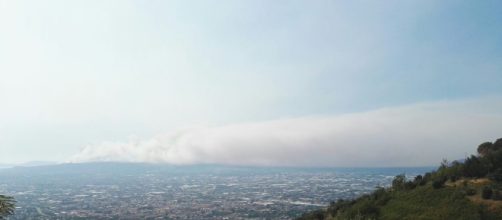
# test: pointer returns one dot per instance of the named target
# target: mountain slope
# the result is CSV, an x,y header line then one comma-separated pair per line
x,y
471,189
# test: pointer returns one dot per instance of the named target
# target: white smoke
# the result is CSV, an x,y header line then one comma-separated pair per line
x,y
420,134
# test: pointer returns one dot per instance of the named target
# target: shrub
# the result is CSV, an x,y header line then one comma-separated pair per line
x,y
409,185
314,215
340,204
418,178
464,183
6,206
458,194
487,192
496,175
437,184
470,191
497,195
368,210
398,182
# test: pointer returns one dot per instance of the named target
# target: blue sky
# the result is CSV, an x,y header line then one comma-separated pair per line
x,y
82,73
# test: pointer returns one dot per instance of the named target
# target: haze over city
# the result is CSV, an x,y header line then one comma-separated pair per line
x,y
267,83
250,109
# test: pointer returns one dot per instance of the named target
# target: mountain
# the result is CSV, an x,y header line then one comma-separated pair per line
x,y
463,189
27,164
4,165
35,164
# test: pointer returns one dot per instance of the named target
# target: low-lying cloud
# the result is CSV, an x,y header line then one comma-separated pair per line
x,y
419,134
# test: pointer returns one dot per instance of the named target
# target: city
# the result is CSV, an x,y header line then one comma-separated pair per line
x,y
142,191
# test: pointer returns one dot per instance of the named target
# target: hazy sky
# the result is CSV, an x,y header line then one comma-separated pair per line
x,y
249,81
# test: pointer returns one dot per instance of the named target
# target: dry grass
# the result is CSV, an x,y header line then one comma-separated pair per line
x,y
492,205
470,182
480,181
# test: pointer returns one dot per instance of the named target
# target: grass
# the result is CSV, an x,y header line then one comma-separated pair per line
x,y
424,202
428,203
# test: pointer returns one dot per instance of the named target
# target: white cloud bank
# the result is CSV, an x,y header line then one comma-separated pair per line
x,y
420,134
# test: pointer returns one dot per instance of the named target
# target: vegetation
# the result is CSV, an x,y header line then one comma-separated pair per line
x,y
6,206
471,189
487,192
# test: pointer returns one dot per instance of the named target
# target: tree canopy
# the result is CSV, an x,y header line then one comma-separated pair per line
x,y
6,206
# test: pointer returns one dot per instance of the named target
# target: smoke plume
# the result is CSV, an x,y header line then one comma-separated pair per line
x,y
420,134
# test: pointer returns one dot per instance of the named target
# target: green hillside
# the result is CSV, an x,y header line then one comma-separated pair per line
x,y
468,190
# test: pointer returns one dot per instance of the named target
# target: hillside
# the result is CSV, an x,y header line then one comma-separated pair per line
x,y
468,190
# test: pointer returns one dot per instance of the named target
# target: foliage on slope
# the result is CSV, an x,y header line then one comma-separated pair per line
x,y
459,190
6,206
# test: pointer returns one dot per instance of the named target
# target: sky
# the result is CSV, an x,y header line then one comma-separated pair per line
x,y
286,83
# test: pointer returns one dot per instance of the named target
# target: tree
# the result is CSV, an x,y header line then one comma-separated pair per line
x,y
497,145
6,206
444,164
474,167
398,182
419,180
485,148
